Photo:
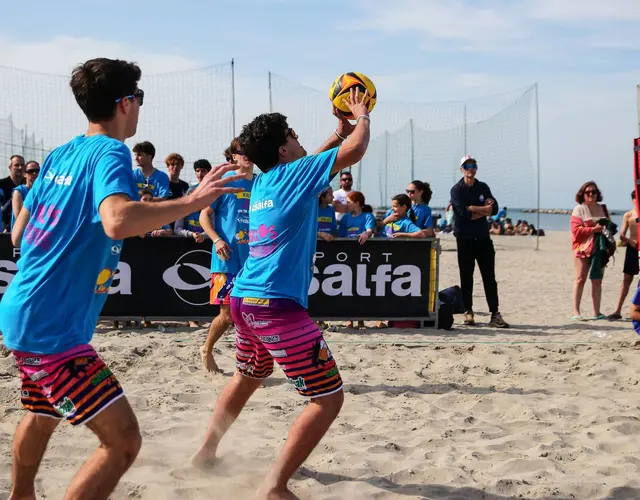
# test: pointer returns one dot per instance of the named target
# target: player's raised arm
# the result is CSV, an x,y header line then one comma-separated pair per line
x,y
355,146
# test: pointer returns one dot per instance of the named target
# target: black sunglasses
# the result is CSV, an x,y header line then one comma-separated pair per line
x,y
410,191
347,179
138,93
292,133
32,171
591,191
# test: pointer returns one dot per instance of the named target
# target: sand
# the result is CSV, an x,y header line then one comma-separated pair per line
x,y
546,409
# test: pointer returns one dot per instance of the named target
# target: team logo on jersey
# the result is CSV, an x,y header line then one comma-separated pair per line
x,y
103,283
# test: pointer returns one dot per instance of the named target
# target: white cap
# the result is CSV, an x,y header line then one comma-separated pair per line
x,y
466,159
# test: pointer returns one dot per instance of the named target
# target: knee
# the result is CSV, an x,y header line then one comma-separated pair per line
x,y
225,315
332,403
127,446
581,279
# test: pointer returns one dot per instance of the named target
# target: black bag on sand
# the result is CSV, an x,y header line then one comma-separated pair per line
x,y
453,297
445,317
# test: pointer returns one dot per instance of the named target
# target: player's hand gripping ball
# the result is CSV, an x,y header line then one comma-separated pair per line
x,y
344,83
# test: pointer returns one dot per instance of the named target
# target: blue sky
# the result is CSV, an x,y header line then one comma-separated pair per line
x,y
585,55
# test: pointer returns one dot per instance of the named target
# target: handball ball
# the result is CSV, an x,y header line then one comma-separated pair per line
x,y
344,83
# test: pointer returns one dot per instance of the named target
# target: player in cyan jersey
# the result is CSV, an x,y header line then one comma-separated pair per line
x,y
270,295
70,232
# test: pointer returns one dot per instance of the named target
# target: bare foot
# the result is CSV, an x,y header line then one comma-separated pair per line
x,y
193,324
277,494
203,460
209,363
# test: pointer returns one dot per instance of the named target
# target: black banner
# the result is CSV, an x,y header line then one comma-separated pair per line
x,y
170,278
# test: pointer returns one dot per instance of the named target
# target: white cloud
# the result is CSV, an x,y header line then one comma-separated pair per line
x,y
585,10
60,54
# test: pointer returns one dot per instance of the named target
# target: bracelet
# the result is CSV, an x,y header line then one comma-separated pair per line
x,y
339,136
363,116
216,240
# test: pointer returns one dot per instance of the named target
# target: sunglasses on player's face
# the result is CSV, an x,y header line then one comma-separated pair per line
x,y
410,191
138,93
470,165
292,133
33,171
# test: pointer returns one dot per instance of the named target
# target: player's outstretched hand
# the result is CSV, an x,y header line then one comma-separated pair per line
x,y
344,126
357,103
213,185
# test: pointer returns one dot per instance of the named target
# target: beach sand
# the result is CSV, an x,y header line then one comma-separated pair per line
x,y
546,409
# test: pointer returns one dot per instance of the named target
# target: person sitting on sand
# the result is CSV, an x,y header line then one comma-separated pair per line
x,y
495,229
508,228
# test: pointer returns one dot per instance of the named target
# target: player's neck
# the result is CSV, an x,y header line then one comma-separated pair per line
x,y
246,172
110,129
147,170
175,178
469,181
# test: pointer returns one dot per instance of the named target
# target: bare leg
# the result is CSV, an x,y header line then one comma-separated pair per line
x,y
120,441
582,268
624,291
229,405
305,434
29,444
596,295
218,326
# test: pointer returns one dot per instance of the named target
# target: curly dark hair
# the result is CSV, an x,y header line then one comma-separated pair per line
x,y
425,187
97,83
583,188
260,139
233,149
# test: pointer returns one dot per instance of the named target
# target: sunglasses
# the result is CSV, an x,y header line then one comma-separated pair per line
x,y
346,179
470,166
32,171
410,191
138,93
591,192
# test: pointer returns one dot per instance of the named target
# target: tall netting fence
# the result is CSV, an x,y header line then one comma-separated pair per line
x,y
188,112
425,141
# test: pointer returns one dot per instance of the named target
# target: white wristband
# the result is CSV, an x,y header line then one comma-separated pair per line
x,y
363,116
339,136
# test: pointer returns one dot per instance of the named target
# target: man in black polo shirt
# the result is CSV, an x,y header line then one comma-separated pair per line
x,y
15,178
472,203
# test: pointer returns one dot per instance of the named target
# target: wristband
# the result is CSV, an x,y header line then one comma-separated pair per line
x,y
363,116
339,136
216,240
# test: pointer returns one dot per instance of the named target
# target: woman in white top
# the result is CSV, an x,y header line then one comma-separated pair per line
x,y
584,226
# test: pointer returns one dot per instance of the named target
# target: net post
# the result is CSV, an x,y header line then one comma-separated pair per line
x,y
386,165
465,128
233,99
270,95
537,164
413,169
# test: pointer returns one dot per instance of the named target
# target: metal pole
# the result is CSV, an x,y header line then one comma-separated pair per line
x,y
465,130
233,99
413,168
638,91
270,96
359,183
386,165
538,165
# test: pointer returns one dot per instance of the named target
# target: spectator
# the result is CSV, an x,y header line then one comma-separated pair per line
x,y
357,223
177,187
340,203
201,168
420,194
147,176
7,185
20,192
588,220
402,221
508,228
496,229
327,224
502,214
472,203
631,266
226,222
146,196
